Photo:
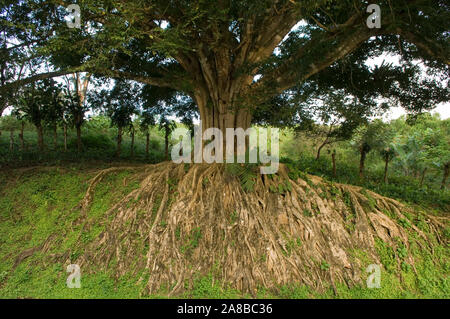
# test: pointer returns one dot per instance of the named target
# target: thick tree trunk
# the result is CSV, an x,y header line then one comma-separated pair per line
x,y
65,137
221,114
147,145
333,158
132,142
446,173
21,137
119,142
362,162
79,144
40,134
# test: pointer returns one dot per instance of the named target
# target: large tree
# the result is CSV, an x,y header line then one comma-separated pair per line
x,y
213,50
232,58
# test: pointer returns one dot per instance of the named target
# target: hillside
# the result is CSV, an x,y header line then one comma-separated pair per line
x,y
43,228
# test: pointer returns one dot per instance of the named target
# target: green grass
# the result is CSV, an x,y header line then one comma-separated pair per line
x,y
99,144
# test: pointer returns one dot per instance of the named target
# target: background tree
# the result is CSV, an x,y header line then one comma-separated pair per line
x,y
422,145
54,111
120,104
167,126
10,124
76,97
147,120
367,138
35,102
388,154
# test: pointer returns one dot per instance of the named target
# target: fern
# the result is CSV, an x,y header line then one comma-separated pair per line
x,y
246,173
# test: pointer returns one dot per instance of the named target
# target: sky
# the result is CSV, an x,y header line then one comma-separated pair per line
x,y
395,112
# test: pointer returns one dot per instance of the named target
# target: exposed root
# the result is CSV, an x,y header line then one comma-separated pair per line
x,y
189,220
31,251
88,197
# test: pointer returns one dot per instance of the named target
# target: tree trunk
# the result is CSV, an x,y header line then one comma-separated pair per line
x,y
362,163
147,145
446,173
11,140
386,167
55,137
320,149
166,140
132,143
119,142
21,137
79,144
333,158
422,179
65,137
220,114
40,134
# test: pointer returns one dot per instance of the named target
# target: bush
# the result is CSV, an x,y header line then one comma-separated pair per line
x,y
93,141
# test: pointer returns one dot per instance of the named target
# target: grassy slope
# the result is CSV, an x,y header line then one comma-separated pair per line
x,y
37,203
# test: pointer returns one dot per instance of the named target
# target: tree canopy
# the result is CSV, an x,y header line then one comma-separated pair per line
x,y
232,57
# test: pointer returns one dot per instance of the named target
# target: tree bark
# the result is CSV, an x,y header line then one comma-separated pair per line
x,y
79,144
119,142
221,113
320,149
446,173
40,134
147,145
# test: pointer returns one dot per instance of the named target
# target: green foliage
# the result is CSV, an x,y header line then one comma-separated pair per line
x,y
246,173
324,266
192,241
9,123
405,172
